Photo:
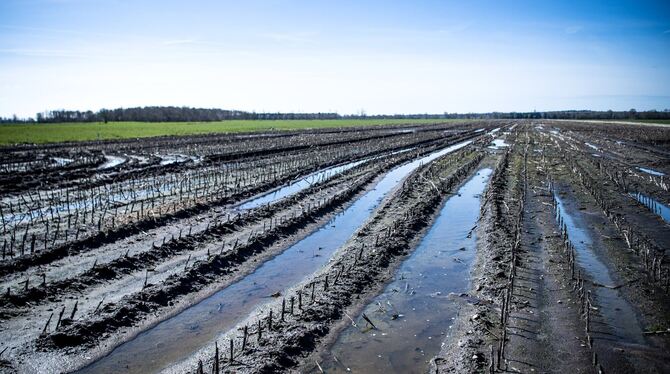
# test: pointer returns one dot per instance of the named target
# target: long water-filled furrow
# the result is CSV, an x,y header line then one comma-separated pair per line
x,y
340,250
47,219
111,292
617,312
415,311
653,205
199,324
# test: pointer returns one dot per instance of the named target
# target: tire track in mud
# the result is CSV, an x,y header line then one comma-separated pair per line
x,y
478,325
360,267
512,321
644,232
125,231
547,327
241,226
543,328
130,310
625,174
128,230
126,264
620,309
414,312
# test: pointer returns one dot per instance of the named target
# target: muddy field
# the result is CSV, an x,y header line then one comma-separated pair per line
x,y
491,246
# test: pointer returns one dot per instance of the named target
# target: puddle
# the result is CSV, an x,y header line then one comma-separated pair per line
x,y
498,144
404,131
139,159
654,205
61,161
591,146
178,159
180,336
414,313
651,171
616,311
111,162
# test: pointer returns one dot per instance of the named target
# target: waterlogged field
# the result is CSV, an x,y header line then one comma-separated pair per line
x,y
464,246
67,132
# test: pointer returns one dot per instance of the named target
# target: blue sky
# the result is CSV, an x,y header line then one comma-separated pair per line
x,y
344,56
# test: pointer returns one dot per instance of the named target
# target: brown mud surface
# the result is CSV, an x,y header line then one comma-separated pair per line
x,y
552,320
112,311
104,240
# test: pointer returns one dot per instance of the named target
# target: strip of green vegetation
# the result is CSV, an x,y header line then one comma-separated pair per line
x,y
633,122
662,121
63,132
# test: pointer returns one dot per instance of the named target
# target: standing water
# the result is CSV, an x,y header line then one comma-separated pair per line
x,y
111,162
414,313
616,311
651,171
654,205
303,183
178,337
297,186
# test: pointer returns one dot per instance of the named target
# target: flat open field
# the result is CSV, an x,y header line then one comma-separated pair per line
x,y
661,121
633,122
67,132
449,247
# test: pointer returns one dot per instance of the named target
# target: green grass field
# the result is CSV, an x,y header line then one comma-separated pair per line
x,y
641,122
661,121
63,132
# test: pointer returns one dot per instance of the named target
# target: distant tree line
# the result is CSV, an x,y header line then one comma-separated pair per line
x,y
577,114
168,114
186,114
